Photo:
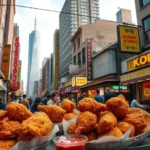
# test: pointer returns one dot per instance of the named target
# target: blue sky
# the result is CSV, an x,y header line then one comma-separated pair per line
x,y
47,22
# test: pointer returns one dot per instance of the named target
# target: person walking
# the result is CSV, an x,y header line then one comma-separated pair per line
x,y
83,94
98,98
24,101
55,99
2,104
108,94
35,105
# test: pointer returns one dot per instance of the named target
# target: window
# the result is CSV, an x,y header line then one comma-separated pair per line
x,y
74,60
83,56
79,58
146,25
144,2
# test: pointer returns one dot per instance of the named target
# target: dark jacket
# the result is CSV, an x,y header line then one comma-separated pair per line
x,y
107,96
2,105
80,98
99,99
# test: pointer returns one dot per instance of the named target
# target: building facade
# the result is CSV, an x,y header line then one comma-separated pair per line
x,y
143,18
50,74
56,59
33,61
68,25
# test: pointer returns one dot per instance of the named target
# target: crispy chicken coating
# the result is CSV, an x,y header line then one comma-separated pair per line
x,y
3,114
124,127
69,116
107,122
118,105
8,129
89,104
71,128
75,112
55,113
18,112
86,122
137,120
38,124
7,144
67,105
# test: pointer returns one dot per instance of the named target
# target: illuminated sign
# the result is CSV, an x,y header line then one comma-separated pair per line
x,y
128,39
79,81
88,60
15,84
146,90
6,61
67,83
138,62
116,87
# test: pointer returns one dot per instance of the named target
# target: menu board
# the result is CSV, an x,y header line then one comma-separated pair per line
x,y
146,90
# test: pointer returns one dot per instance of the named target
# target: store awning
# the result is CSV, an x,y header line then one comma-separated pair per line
x,y
1,75
110,78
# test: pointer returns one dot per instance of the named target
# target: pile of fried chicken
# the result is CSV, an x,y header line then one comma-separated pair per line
x,y
111,119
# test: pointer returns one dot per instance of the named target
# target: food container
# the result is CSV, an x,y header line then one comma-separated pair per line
x,y
70,142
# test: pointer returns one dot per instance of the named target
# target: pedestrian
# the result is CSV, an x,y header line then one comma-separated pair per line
x,y
108,94
98,98
55,99
49,99
24,101
30,101
70,97
136,104
2,104
35,105
83,94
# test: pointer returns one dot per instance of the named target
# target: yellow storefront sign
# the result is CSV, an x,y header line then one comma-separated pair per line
x,y
69,83
6,61
79,81
138,62
73,82
135,74
129,39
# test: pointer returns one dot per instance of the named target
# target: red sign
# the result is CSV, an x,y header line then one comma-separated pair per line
x,y
15,84
146,84
88,59
92,91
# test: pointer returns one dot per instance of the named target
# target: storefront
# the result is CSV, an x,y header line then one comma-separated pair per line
x,y
3,90
136,72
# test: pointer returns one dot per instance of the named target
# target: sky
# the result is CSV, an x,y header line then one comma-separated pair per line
x,y
47,22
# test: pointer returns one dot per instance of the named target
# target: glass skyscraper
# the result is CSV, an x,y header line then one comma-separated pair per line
x,y
68,25
33,61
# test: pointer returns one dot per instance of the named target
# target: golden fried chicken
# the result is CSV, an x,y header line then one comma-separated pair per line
x,y
18,112
118,105
7,144
124,127
137,120
8,129
75,112
55,113
69,116
114,132
89,104
3,114
38,124
107,122
91,136
67,105
86,122
71,128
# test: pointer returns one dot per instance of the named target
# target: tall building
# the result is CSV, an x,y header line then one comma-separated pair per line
x,y
33,61
68,25
143,18
124,15
50,74
55,59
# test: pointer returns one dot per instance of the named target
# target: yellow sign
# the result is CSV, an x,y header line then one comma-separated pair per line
x,y
69,83
6,61
129,39
79,81
138,62
135,74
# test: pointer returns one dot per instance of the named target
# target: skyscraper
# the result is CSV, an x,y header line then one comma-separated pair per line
x,y
68,25
33,61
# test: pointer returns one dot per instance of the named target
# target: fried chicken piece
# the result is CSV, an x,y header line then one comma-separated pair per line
x,y
114,132
71,128
86,122
67,105
91,136
8,129
5,119
3,114
69,116
89,104
55,113
107,122
75,112
137,120
118,105
124,127
18,112
7,144
38,124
